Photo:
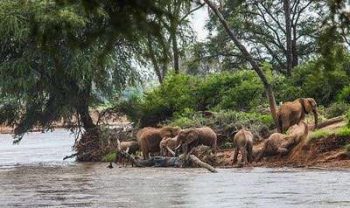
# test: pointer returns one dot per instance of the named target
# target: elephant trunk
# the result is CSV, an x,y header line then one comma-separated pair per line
x,y
316,118
177,148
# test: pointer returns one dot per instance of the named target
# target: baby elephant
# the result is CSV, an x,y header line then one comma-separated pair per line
x,y
281,144
243,141
167,142
130,147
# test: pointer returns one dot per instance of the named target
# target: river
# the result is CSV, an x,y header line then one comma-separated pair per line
x,y
32,174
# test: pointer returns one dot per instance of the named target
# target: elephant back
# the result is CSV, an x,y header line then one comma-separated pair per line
x,y
206,136
242,138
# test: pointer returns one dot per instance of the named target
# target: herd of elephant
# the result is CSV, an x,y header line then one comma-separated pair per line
x,y
173,140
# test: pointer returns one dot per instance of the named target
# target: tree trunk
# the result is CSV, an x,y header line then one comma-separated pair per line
x,y
154,60
175,49
248,56
83,111
289,55
294,48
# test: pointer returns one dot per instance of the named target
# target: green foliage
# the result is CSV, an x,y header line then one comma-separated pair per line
x,y
110,157
343,132
324,133
344,95
348,118
182,94
319,82
58,58
319,134
337,109
224,118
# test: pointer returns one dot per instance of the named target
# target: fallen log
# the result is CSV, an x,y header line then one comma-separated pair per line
x,y
160,161
327,122
202,164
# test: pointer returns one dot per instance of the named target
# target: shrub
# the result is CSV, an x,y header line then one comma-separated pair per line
x,y
110,157
344,95
180,93
336,109
320,80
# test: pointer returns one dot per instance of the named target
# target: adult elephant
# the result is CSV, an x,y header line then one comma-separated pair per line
x,y
243,141
291,113
149,138
193,137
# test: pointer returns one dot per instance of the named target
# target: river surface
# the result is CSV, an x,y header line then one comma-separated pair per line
x,y
32,174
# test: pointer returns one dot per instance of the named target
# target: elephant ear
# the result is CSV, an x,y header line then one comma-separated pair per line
x,y
306,105
310,104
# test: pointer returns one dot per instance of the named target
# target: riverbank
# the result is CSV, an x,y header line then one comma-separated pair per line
x,y
325,148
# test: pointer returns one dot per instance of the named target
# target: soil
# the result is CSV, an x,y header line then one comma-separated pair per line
x,y
326,152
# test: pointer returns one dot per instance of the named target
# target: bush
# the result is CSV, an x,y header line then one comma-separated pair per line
x,y
224,120
180,93
110,157
320,80
337,109
344,95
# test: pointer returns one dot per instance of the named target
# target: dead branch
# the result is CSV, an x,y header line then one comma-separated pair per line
x,y
327,122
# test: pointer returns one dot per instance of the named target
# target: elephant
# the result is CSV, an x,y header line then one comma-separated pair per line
x,y
281,144
291,113
193,137
149,138
167,142
243,141
130,147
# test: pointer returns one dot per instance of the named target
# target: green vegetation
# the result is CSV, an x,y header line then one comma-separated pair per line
x,y
339,132
110,157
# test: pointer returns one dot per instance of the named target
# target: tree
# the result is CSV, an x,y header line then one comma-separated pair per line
x,y
250,59
176,35
58,59
282,33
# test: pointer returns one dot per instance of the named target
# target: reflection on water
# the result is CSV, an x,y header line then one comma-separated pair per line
x,y
60,184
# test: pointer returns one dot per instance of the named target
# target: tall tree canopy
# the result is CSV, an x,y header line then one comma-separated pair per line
x,y
57,59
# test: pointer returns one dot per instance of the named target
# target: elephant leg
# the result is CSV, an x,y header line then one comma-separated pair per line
x,y
282,151
145,155
214,146
261,153
250,153
244,155
235,155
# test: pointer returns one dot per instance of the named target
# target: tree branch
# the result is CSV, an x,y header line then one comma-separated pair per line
x,y
190,12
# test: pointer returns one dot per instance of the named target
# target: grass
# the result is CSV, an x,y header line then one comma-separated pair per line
x,y
323,133
110,157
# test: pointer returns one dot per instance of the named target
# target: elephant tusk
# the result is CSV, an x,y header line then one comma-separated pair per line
x,y
176,148
170,150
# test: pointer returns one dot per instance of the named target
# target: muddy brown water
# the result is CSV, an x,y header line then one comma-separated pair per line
x,y
33,174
